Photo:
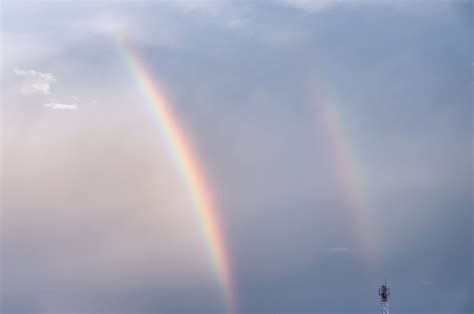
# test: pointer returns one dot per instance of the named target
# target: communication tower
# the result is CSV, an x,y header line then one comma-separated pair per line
x,y
384,293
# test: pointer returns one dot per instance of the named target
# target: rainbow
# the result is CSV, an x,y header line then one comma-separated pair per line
x,y
348,173
190,168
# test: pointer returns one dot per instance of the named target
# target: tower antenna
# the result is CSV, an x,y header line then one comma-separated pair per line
x,y
384,293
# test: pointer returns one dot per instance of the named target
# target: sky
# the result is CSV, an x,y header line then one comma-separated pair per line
x,y
333,138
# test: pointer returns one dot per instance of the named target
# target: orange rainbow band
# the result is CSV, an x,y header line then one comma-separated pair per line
x,y
190,169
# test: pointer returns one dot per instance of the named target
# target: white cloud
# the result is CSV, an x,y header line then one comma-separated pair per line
x,y
35,82
59,106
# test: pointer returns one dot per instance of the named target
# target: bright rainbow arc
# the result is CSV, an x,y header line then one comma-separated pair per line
x,y
189,166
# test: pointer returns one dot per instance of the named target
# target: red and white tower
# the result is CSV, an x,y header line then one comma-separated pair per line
x,y
384,293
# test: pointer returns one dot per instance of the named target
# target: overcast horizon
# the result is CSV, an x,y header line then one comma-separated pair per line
x,y
326,146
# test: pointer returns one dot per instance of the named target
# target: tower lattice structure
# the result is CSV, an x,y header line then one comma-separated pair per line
x,y
384,293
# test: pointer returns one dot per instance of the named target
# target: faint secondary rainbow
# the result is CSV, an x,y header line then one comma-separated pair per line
x,y
189,166
348,171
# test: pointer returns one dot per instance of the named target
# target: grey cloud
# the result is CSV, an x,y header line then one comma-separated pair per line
x,y
315,5
96,217
322,5
340,250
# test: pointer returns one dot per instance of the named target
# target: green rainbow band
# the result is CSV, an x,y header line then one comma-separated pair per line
x,y
190,169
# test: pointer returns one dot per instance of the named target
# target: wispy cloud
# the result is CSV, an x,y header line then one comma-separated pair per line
x,y
59,106
311,5
322,5
423,283
341,250
208,7
35,82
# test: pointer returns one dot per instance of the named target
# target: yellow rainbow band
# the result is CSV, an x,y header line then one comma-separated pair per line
x,y
189,166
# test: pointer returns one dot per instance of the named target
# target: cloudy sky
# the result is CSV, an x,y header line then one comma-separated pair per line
x,y
335,138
